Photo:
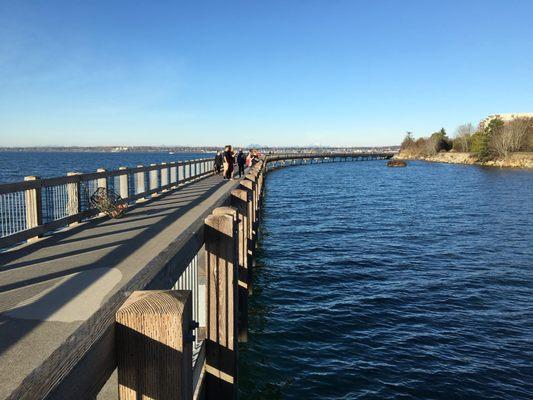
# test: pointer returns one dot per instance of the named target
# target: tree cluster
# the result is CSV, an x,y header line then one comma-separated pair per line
x,y
496,139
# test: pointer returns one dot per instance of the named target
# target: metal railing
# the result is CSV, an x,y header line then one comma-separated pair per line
x,y
37,206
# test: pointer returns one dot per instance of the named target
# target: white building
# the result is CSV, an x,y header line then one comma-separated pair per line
x,y
504,117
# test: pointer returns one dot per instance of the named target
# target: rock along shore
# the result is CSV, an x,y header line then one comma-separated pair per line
x,y
515,160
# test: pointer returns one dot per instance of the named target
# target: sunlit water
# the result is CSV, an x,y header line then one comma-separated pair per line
x,y
393,283
16,165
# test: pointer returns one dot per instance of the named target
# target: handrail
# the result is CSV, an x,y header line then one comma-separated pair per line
x,y
37,206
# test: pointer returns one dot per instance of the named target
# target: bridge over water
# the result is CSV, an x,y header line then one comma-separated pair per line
x,y
69,310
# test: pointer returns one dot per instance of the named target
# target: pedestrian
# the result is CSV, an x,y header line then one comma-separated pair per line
x,y
229,161
219,160
241,161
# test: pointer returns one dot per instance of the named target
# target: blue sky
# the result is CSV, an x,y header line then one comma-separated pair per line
x,y
269,72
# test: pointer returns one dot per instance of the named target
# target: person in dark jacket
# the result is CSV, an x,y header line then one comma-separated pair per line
x,y
241,161
229,161
219,160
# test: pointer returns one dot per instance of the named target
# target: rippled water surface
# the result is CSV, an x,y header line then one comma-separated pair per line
x,y
393,283
16,165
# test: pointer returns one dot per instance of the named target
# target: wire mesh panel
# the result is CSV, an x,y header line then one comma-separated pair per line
x,y
86,191
12,213
189,281
131,185
54,203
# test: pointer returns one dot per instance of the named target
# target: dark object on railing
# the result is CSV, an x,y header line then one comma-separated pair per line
x,y
396,163
108,202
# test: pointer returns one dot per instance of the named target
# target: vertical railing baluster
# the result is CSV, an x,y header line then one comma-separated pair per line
x,y
33,203
153,179
140,184
123,183
173,174
102,181
73,197
164,176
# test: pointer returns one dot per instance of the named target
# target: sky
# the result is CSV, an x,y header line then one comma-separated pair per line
x,y
279,73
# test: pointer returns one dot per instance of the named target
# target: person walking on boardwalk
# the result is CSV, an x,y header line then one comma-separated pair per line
x,y
241,161
229,161
219,160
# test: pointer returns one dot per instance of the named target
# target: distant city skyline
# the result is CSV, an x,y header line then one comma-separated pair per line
x,y
343,73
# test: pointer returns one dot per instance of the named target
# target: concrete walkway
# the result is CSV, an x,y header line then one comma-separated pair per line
x,y
48,288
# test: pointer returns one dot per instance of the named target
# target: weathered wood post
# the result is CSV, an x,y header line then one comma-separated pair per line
x,y
123,182
249,186
33,206
221,341
253,176
154,346
102,181
153,179
181,171
173,174
164,176
241,250
73,197
140,184
239,200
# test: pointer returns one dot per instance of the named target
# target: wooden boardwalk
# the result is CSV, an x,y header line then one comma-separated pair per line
x,y
59,296
49,288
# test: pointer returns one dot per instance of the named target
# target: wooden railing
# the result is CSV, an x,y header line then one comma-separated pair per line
x,y
293,158
37,206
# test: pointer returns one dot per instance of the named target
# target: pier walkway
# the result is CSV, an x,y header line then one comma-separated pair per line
x,y
48,288
60,294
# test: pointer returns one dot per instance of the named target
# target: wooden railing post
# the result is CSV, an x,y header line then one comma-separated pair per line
x,y
173,174
123,182
140,185
102,182
73,197
249,186
181,171
221,341
153,179
242,272
33,205
252,176
164,176
154,346
239,200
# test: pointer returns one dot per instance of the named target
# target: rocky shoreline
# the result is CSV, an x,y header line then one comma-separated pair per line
x,y
515,160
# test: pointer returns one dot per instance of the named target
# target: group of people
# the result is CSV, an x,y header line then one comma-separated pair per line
x,y
225,161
